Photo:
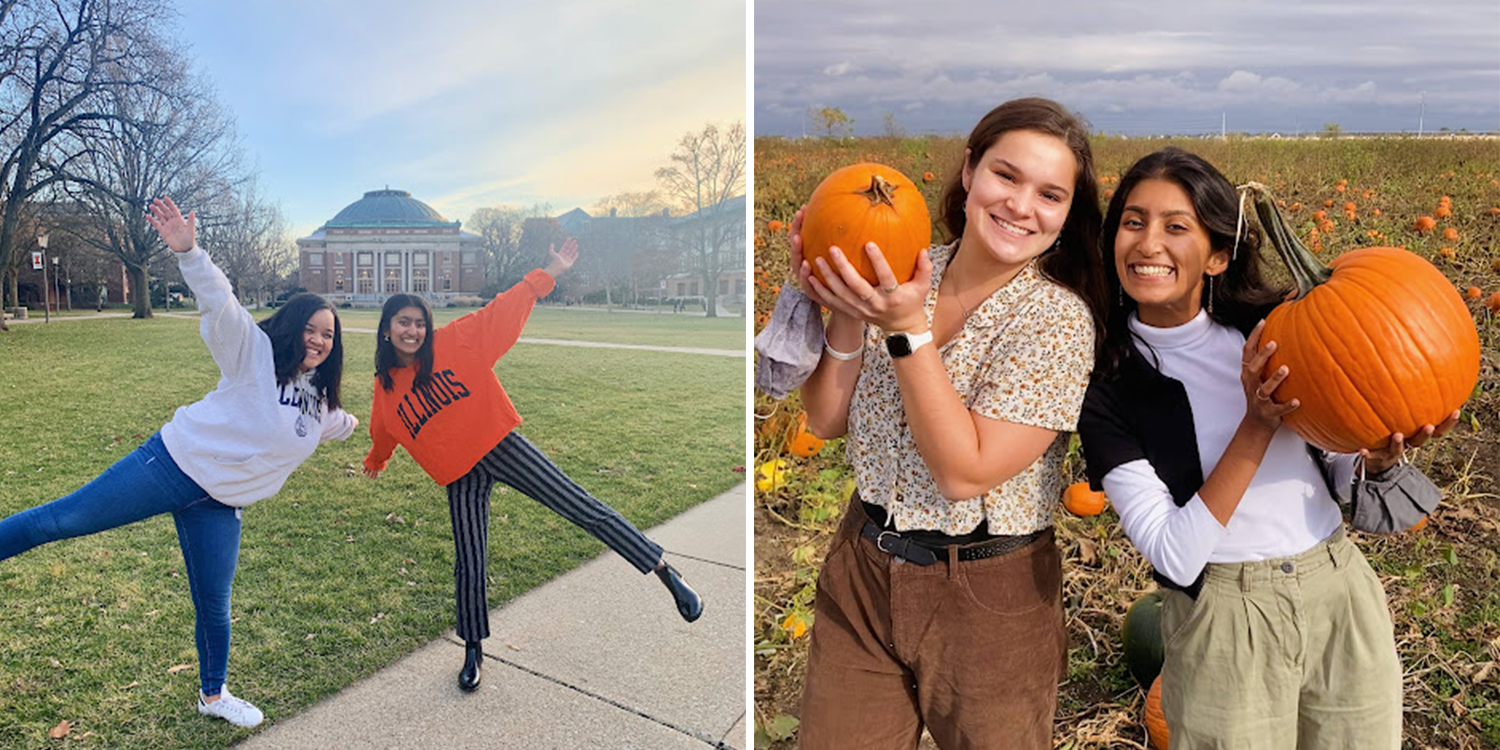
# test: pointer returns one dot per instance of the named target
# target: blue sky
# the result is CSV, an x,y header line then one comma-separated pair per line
x,y
465,103
1166,67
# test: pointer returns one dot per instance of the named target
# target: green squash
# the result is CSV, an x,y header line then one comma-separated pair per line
x,y
1143,642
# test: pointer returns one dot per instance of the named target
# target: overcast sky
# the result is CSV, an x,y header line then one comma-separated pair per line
x,y
466,103
1165,67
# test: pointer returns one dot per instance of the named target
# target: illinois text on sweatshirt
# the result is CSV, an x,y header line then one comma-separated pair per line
x,y
462,413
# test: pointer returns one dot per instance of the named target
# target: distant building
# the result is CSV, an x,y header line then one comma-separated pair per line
x,y
386,243
650,255
77,273
726,227
389,242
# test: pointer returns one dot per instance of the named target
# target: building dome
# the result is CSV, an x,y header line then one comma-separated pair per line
x,y
389,208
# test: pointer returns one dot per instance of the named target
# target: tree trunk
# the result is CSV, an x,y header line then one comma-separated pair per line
x,y
710,295
12,295
140,283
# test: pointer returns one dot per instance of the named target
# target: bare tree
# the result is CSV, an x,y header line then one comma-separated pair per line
x,y
706,178
631,204
247,236
501,228
619,247
58,57
167,140
538,234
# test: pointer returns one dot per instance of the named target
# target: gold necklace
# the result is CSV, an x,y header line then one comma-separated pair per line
x,y
961,305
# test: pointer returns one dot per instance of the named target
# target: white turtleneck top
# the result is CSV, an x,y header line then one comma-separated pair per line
x,y
1287,508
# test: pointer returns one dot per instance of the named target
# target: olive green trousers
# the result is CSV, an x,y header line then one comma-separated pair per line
x,y
1295,653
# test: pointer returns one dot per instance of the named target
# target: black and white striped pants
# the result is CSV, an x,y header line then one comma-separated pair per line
x,y
519,464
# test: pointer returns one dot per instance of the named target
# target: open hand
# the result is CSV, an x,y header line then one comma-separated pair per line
x,y
180,234
1259,404
891,307
1380,459
562,259
369,472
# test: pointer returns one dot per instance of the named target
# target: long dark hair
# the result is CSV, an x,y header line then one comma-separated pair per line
x,y
1074,262
285,329
1241,296
385,351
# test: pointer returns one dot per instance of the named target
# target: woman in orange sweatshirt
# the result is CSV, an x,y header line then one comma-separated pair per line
x,y
437,396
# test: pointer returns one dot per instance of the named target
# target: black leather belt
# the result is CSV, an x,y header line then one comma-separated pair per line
x,y
892,542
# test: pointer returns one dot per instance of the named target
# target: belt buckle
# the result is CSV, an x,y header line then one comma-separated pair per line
x,y
880,542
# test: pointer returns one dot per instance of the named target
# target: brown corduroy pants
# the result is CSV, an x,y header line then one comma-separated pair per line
x,y
972,651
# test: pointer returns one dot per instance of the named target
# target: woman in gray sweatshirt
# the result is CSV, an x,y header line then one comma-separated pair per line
x,y
277,398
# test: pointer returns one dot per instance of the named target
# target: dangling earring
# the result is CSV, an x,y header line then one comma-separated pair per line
x,y
1210,295
1121,294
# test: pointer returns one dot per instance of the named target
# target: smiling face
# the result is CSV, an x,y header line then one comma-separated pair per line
x,y
1018,195
408,330
1163,252
317,339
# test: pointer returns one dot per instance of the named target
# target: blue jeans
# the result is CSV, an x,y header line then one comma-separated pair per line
x,y
145,483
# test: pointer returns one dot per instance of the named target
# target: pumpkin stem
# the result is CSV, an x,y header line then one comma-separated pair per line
x,y
880,190
1305,267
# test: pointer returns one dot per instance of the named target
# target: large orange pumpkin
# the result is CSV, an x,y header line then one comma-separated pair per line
x,y
1156,721
1377,342
867,203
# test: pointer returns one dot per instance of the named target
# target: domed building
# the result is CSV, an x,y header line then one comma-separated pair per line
x,y
389,242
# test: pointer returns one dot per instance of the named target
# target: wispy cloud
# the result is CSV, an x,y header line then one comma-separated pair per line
x,y
466,102
1150,68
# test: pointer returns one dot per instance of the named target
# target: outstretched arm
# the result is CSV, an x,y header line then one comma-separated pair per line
x,y
226,327
496,327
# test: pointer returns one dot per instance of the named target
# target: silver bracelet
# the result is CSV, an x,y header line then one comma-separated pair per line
x,y
841,356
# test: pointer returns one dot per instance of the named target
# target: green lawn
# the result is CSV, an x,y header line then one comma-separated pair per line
x,y
338,575
553,322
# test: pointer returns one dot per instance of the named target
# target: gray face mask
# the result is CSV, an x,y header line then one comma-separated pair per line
x,y
1392,501
790,345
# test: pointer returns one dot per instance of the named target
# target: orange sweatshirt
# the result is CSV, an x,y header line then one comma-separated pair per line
x,y
463,412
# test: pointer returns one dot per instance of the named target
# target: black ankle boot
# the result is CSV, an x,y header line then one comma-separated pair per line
x,y
469,676
689,605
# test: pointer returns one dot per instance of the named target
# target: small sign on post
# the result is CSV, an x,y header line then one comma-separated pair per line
x,y
36,260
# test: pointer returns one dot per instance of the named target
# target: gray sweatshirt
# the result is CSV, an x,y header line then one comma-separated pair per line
x,y
242,441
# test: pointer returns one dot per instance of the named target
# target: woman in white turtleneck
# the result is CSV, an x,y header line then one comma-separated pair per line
x,y
1276,630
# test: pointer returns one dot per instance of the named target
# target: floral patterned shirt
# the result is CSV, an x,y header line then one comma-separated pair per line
x,y
1024,355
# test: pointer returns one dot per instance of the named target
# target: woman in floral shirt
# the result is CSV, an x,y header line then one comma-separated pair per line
x,y
940,602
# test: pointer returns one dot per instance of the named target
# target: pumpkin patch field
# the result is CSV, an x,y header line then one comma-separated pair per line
x,y
1438,198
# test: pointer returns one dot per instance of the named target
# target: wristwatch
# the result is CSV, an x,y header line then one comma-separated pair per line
x,y
902,344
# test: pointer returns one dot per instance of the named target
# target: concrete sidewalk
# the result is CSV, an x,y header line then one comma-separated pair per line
x,y
597,658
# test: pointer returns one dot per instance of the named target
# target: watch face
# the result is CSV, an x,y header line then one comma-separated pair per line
x,y
898,345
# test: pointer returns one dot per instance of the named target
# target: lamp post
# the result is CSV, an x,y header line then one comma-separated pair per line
x,y
41,242
57,281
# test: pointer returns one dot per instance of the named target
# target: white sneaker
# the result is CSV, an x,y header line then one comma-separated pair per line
x,y
231,709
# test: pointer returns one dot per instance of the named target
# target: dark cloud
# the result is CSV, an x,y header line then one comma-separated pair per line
x,y
1171,67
